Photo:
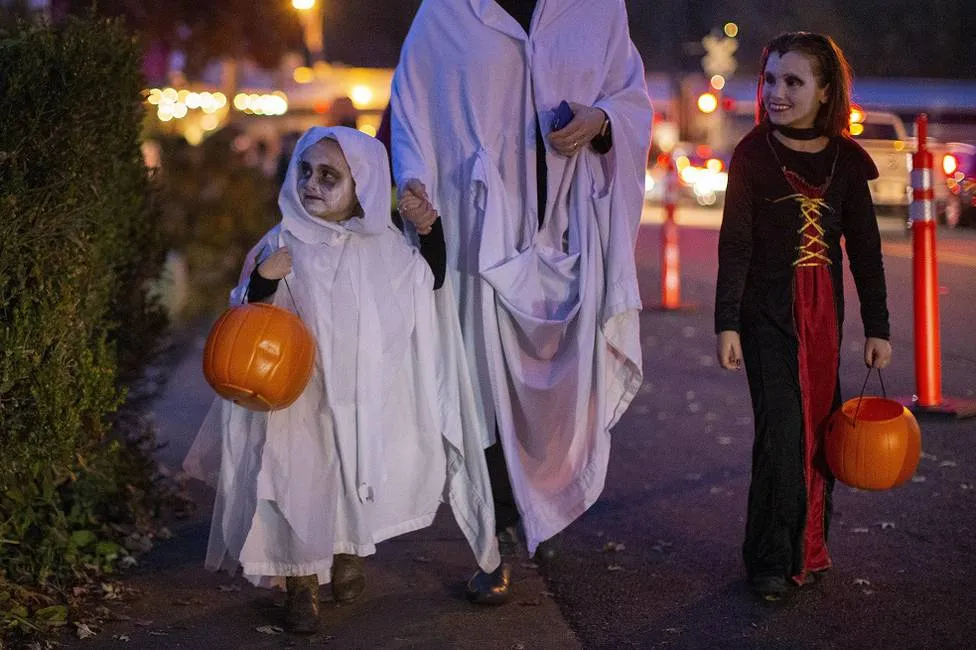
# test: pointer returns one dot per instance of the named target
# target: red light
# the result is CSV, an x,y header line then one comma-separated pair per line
x,y
663,160
728,104
703,151
949,164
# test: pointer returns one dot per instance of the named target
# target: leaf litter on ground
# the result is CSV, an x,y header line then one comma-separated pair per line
x,y
83,631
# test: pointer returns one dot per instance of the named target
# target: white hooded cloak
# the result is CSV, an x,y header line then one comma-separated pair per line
x,y
549,315
386,428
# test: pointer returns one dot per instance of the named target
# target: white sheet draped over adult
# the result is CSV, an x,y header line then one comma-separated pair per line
x,y
549,315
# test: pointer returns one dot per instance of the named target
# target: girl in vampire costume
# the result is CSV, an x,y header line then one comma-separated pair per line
x,y
797,184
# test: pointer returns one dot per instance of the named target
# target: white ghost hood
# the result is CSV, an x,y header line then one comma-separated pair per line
x,y
370,169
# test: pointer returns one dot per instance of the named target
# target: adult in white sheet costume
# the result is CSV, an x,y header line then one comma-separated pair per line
x,y
380,435
546,289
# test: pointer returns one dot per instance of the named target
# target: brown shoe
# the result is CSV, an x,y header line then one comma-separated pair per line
x,y
302,604
490,588
348,581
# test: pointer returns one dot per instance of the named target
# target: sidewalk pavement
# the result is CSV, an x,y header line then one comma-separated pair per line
x,y
415,584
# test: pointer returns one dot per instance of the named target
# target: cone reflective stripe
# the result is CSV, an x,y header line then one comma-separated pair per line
x,y
925,278
670,252
922,207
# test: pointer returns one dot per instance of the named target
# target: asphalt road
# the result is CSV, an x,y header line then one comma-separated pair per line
x,y
903,574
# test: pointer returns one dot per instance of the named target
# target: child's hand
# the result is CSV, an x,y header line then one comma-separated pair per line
x,y
414,206
729,350
277,266
877,353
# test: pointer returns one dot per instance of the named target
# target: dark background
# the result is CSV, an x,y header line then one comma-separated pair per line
x,y
927,38
914,38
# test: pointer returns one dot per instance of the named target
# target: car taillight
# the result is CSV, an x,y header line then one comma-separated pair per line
x,y
949,164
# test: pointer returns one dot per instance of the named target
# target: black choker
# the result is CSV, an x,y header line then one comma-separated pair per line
x,y
799,134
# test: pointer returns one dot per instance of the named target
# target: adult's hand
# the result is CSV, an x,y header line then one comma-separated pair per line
x,y
414,205
877,353
729,350
586,124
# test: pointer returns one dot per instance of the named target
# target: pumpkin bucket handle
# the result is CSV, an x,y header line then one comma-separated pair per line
x,y
287,286
884,392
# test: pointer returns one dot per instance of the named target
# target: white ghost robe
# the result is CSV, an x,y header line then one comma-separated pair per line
x,y
549,314
386,428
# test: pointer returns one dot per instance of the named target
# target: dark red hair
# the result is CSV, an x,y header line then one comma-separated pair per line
x,y
831,69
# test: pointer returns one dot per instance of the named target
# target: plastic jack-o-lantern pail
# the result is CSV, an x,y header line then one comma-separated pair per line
x,y
873,443
259,356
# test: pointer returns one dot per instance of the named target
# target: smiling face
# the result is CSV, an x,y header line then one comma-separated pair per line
x,y
325,184
791,92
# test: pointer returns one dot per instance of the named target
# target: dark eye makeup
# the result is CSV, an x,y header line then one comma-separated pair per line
x,y
791,80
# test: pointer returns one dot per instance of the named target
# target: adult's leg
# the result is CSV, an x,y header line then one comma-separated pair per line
x,y
502,496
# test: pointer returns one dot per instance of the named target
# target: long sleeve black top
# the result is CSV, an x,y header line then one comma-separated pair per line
x,y
760,232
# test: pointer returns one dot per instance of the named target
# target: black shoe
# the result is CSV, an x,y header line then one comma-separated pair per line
x,y
545,552
490,588
769,588
348,581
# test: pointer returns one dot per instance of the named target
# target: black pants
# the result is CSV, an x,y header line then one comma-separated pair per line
x,y
506,512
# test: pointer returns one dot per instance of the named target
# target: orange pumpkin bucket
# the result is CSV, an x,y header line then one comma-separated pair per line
x,y
259,356
873,443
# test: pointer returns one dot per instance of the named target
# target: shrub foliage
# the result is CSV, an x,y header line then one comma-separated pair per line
x,y
78,244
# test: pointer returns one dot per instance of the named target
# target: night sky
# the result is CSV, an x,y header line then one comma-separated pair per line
x,y
881,37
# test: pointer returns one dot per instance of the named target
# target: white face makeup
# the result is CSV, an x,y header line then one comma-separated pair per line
x,y
791,94
325,184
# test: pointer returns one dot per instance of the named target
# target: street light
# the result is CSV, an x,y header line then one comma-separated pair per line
x,y
310,12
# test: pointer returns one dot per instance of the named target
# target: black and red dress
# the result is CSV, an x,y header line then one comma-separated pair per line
x,y
780,285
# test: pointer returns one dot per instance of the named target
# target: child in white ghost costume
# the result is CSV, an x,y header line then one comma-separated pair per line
x,y
385,430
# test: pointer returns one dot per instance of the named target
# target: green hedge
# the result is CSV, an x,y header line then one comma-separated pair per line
x,y
78,244
79,238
